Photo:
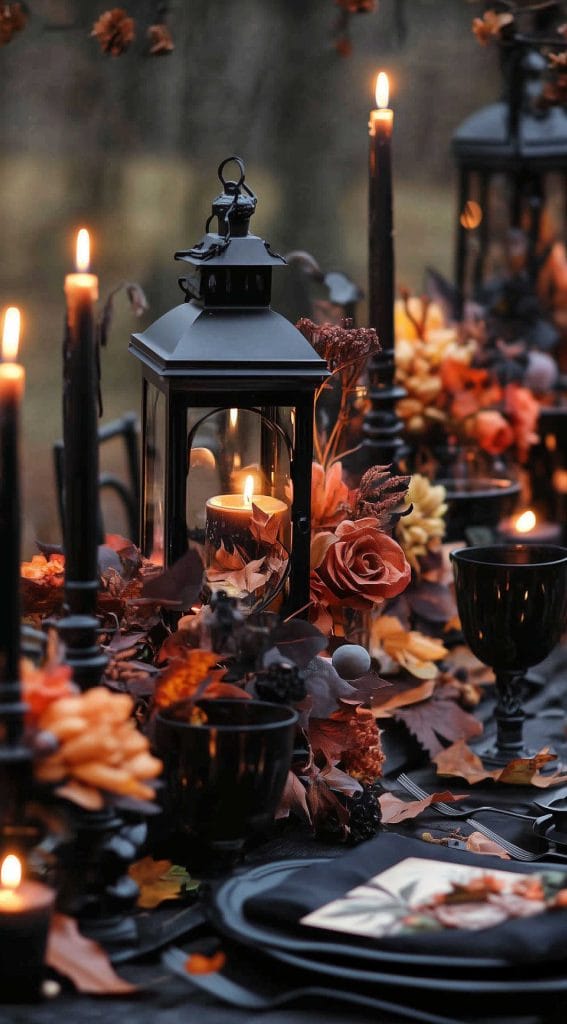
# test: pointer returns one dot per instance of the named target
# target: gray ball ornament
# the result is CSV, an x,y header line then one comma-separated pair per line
x,y
351,661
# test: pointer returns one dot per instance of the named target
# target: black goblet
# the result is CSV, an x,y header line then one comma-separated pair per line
x,y
512,601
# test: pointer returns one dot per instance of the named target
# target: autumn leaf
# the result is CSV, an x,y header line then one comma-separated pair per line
x,y
293,799
395,810
199,963
180,585
81,960
264,526
299,641
477,843
323,804
459,760
159,880
438,719
182,677
399,695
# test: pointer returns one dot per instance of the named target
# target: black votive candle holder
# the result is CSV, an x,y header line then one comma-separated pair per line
x,y
25,914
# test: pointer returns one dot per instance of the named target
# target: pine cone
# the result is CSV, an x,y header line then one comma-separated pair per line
x,y
282,683
365,813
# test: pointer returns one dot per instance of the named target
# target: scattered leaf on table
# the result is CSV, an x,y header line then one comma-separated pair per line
x,y
81,960
438,719
477,843
198,963
294,799
159,880
459,760
395,810
399,695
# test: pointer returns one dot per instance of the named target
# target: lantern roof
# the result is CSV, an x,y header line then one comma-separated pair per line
x,y
485,139
221,345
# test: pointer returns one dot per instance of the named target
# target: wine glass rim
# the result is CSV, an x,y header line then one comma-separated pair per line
x,y
558,555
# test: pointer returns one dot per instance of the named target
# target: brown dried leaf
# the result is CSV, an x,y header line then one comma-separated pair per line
x,y
395,810
264,526
437,719
460,761
323,804
84,962
294,799
477,843
385,703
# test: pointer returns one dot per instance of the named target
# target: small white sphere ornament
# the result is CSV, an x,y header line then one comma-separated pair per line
x,y
351,661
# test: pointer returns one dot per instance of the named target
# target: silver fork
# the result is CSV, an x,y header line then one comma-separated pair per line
x,y
516,852
453,812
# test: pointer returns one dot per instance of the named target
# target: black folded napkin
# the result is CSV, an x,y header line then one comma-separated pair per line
x,y
536,939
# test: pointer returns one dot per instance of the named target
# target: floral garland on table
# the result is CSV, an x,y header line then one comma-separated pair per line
x,y
114,29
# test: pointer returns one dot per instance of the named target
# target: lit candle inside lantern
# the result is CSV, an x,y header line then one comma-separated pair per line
x,y
12,378
381,224
25,911
80,414
229,515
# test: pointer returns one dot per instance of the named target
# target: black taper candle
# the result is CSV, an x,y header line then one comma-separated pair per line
x,y
15,756
382,427
78,628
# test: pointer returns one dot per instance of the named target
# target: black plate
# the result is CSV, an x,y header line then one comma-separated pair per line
x,y
487,976
228,912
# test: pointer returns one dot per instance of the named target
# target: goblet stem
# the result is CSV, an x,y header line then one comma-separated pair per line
x,y
509,716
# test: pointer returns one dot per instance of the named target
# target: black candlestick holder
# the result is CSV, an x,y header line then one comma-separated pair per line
x,y
78,630
383,429
94,884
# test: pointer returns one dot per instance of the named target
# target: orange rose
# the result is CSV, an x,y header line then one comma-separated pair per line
x,y
363,567
493,433
329,495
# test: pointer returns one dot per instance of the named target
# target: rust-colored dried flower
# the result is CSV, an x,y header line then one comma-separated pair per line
x,y
12,19
364,757
160,39
340,346
114,31
491,25
382,495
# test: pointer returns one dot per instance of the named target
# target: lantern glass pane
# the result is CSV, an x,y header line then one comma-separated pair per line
x,y
238,497
154,475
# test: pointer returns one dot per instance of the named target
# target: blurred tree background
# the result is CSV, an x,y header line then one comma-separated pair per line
x,y
129,147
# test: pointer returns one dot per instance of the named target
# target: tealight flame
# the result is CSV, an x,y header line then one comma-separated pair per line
x,y
382,90
233,417
11,334
471,215
525,522
11,872
248,490
83,256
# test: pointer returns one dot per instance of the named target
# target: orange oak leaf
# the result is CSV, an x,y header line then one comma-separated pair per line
x,y
459,760
395,810
385,703
81,960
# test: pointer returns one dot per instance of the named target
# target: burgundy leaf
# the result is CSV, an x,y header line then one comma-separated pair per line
x,y
431,601
178,586
299,641
438,719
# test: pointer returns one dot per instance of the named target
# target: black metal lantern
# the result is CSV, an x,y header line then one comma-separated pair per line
x,y
512,163
227,416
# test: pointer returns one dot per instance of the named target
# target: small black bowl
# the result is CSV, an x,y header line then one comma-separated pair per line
x,y
224,778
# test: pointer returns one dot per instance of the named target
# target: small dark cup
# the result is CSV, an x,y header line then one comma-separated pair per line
x,y
224,778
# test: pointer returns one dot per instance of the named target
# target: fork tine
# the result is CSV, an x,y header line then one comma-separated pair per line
x,y
421,794
515,851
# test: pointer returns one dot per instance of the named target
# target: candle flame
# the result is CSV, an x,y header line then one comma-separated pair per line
x,y
11,872
382,90
233,418
83,256
11,334
471,215
525,522
248,490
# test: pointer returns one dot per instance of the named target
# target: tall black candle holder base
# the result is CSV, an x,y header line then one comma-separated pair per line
x,y
383,442
95,885
78,630
15,759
